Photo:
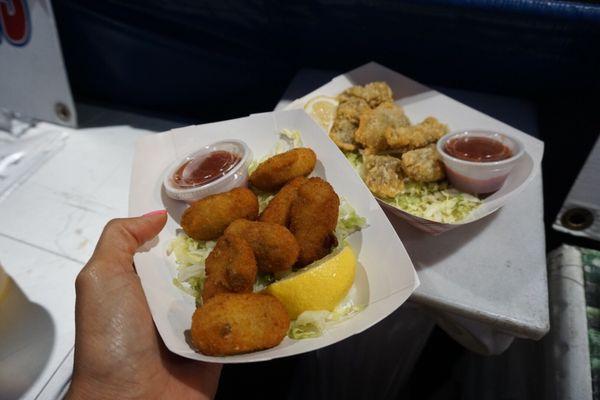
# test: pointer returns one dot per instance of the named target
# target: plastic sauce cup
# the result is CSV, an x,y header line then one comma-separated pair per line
x,y
235,177
479,177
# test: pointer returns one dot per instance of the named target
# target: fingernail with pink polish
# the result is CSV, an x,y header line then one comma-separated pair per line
x,y
157,212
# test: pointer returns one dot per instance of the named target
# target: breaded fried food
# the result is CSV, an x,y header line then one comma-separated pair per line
x,y
235,323
313,218
347,118
374,93
274,246
230,267
207,218
423,165
383,175
278,209
282,168
374,123
415,136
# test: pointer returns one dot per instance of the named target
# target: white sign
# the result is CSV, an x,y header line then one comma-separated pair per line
x,y
33,80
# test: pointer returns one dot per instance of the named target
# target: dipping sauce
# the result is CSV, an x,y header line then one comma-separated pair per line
x,y
204,169
479,149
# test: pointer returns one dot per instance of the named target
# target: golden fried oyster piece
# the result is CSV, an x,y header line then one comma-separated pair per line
x,y
207,218
278,209
374,124
415,136
230,267
374,93
275,247
423,165
235,323
347,118
383,175
313,218
280,169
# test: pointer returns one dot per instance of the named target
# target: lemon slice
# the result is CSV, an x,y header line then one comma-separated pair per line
x,y
322,110
320,286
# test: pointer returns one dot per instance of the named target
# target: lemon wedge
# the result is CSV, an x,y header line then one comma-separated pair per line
x,y
322,110
318,287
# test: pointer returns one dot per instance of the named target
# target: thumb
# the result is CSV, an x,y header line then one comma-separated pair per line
x,y
122,237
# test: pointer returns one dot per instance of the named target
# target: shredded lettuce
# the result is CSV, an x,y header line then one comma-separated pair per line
x,y
344,312
348,221
262,281
311,324
435,201
263,200
187,251
288,139
190,256
356,160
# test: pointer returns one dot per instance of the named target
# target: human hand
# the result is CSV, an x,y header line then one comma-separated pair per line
x,y
118,353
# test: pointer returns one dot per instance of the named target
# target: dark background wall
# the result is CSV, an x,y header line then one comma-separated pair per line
x,y
220,59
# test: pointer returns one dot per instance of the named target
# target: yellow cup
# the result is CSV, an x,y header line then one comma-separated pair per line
x,y
3,283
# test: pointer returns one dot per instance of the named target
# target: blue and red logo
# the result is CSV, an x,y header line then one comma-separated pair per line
x,y
15,24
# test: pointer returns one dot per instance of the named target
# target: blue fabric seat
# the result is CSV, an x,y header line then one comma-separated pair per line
x,y
215,60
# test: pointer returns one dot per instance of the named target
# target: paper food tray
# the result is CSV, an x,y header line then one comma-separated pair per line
x,y
419,102
385,276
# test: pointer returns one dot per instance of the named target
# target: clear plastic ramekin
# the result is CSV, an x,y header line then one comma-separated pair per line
x,y
235,177
478,177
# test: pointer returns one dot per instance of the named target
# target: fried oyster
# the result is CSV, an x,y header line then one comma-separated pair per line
x,y
276,171
346,122
416,136
236,323
383,175
313,218
423,165
374,93
374,124
230,268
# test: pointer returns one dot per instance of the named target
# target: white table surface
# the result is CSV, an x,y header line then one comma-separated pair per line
x,y
48,229
496,273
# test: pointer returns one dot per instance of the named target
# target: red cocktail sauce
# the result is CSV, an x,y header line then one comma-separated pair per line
x,y
205,168
479,149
